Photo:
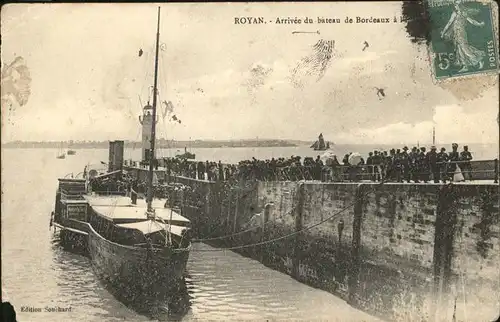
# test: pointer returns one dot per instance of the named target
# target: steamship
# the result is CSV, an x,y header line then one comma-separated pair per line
x,y
138,246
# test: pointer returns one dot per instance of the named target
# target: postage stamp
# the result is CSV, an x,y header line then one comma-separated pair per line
x,y
463,38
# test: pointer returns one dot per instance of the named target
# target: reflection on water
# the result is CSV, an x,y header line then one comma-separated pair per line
x,y
38,273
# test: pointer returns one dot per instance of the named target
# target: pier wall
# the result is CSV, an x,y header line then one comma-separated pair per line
x,y
399,251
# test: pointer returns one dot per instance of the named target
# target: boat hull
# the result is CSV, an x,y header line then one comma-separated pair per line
x,y
73,241
136,273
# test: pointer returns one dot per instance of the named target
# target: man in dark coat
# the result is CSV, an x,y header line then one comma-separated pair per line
x,y
396,166
423,165
432,159
201,171
377,161
369,163
442,159
405,164
414,168
221,171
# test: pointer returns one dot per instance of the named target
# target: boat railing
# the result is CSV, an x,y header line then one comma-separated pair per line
x,y
110,193
71,195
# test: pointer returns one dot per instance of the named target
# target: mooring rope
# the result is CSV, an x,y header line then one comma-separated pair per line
x,y
284,236
243,231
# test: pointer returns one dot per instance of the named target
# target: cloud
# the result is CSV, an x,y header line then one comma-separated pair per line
x,y
452,124
84,70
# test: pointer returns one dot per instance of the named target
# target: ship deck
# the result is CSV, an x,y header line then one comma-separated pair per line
x,y
119,208
151,226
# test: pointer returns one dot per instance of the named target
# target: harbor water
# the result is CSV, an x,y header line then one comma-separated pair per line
x,y
220,285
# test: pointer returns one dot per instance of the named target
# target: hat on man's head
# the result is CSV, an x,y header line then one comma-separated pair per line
x,y
433,147
454,145
405,148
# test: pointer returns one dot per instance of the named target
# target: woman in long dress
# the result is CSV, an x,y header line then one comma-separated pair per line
x,y
455,30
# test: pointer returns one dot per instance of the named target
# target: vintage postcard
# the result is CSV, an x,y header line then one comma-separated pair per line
x,y
306,161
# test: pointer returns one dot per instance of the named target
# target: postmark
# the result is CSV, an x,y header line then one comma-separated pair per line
x,y
463,38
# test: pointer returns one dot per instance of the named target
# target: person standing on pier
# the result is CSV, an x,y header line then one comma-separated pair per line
x,y
273,168
454,157
336,170
466,157
318,167
414,168
405,164
376,165
207,169
384,164
423,165
201,170
345,168
369,163
391,161
396,165
442,159
221,171
227,173
432,159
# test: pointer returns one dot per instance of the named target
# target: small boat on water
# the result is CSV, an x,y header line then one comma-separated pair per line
x,y
186,155
61,154
139,247
320,144
71,152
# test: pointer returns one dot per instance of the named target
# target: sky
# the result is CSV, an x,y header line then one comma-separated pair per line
x,y
232,81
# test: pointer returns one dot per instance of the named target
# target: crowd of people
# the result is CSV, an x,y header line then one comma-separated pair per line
x,y
418,165
396,165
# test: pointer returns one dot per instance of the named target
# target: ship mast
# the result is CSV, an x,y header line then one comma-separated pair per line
x,y
153,124
433,135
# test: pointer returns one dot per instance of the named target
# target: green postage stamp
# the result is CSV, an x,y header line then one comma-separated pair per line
x,y
463,37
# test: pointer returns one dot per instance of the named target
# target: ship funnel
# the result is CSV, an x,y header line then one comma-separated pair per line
x,y
115,155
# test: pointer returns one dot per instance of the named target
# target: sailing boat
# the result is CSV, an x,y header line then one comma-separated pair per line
x,y
139,247
320,145
61,154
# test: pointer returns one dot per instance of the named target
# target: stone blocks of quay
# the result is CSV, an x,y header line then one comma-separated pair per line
x,y
398,251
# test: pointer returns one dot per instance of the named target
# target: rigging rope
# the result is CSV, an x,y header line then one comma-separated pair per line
x,y
163,83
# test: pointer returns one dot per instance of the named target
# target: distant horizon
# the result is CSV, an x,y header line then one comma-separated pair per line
x,y
239,140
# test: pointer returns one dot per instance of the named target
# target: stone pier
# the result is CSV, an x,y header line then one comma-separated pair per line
x,y
398,251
